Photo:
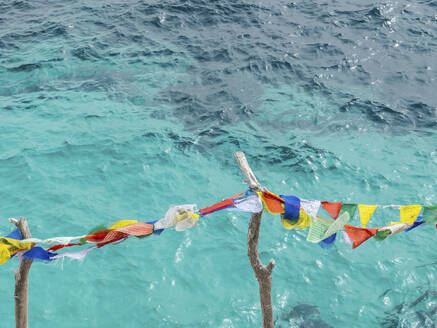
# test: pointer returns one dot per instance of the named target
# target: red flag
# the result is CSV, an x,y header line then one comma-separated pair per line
x,y
221,205
111,237
56,247
108,236
97,237
332,208
359,235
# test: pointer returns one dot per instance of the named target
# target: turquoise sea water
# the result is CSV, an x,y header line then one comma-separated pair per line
x,y
117,109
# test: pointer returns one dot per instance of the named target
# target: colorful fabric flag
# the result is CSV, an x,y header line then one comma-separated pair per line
x,y
98,236
111,237
14,245
250,204
419,221
382,234
366,212
410,213
54,240
349,208
359,235
179,213
333,209
108,236
317,230
216,207
395,227
16,234
190,222
291,208
337,225
57,247
37,253
328,242
80,256
311,207
303,222
430,213
223,204
122,223
5,255
9,247
415,224
98,228
304,219
138,229
291,215
272,203
155,231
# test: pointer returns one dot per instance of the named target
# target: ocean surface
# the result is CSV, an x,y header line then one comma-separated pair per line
x,y
118,109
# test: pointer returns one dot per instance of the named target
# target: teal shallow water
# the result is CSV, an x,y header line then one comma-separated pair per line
x,y
117,110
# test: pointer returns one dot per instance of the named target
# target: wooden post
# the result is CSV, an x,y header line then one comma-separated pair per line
x,y
22,279
263,273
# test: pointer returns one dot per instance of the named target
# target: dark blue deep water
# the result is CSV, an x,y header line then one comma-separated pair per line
x,y
117,109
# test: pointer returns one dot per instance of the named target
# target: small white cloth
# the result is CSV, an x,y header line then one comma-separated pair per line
x,y
179,216
186,224
250,204
54,240
310,207
396,228
80,256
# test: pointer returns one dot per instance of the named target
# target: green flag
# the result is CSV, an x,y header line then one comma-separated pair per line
x,y
318,228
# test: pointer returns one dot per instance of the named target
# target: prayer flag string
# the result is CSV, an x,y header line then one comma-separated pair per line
x,y
294,212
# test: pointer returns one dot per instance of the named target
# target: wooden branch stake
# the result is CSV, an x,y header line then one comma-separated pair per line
x,y
22,279
263,273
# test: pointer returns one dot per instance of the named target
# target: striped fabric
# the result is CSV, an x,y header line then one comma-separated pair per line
x,y
108,236
137,229
113,236
98,236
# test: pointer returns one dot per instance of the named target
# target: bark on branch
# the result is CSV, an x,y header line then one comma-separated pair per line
x,y
22,279
263,273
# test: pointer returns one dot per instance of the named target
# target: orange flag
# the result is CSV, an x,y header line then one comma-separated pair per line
x,y
359,235
272,202
332,208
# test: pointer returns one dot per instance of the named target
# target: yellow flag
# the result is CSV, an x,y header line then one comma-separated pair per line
x,y
304,219
366,212
10,246
302,223
410,213
14,245
123,223
4,254
287,225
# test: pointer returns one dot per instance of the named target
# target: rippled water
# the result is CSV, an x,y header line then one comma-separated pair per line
x,y
117,109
